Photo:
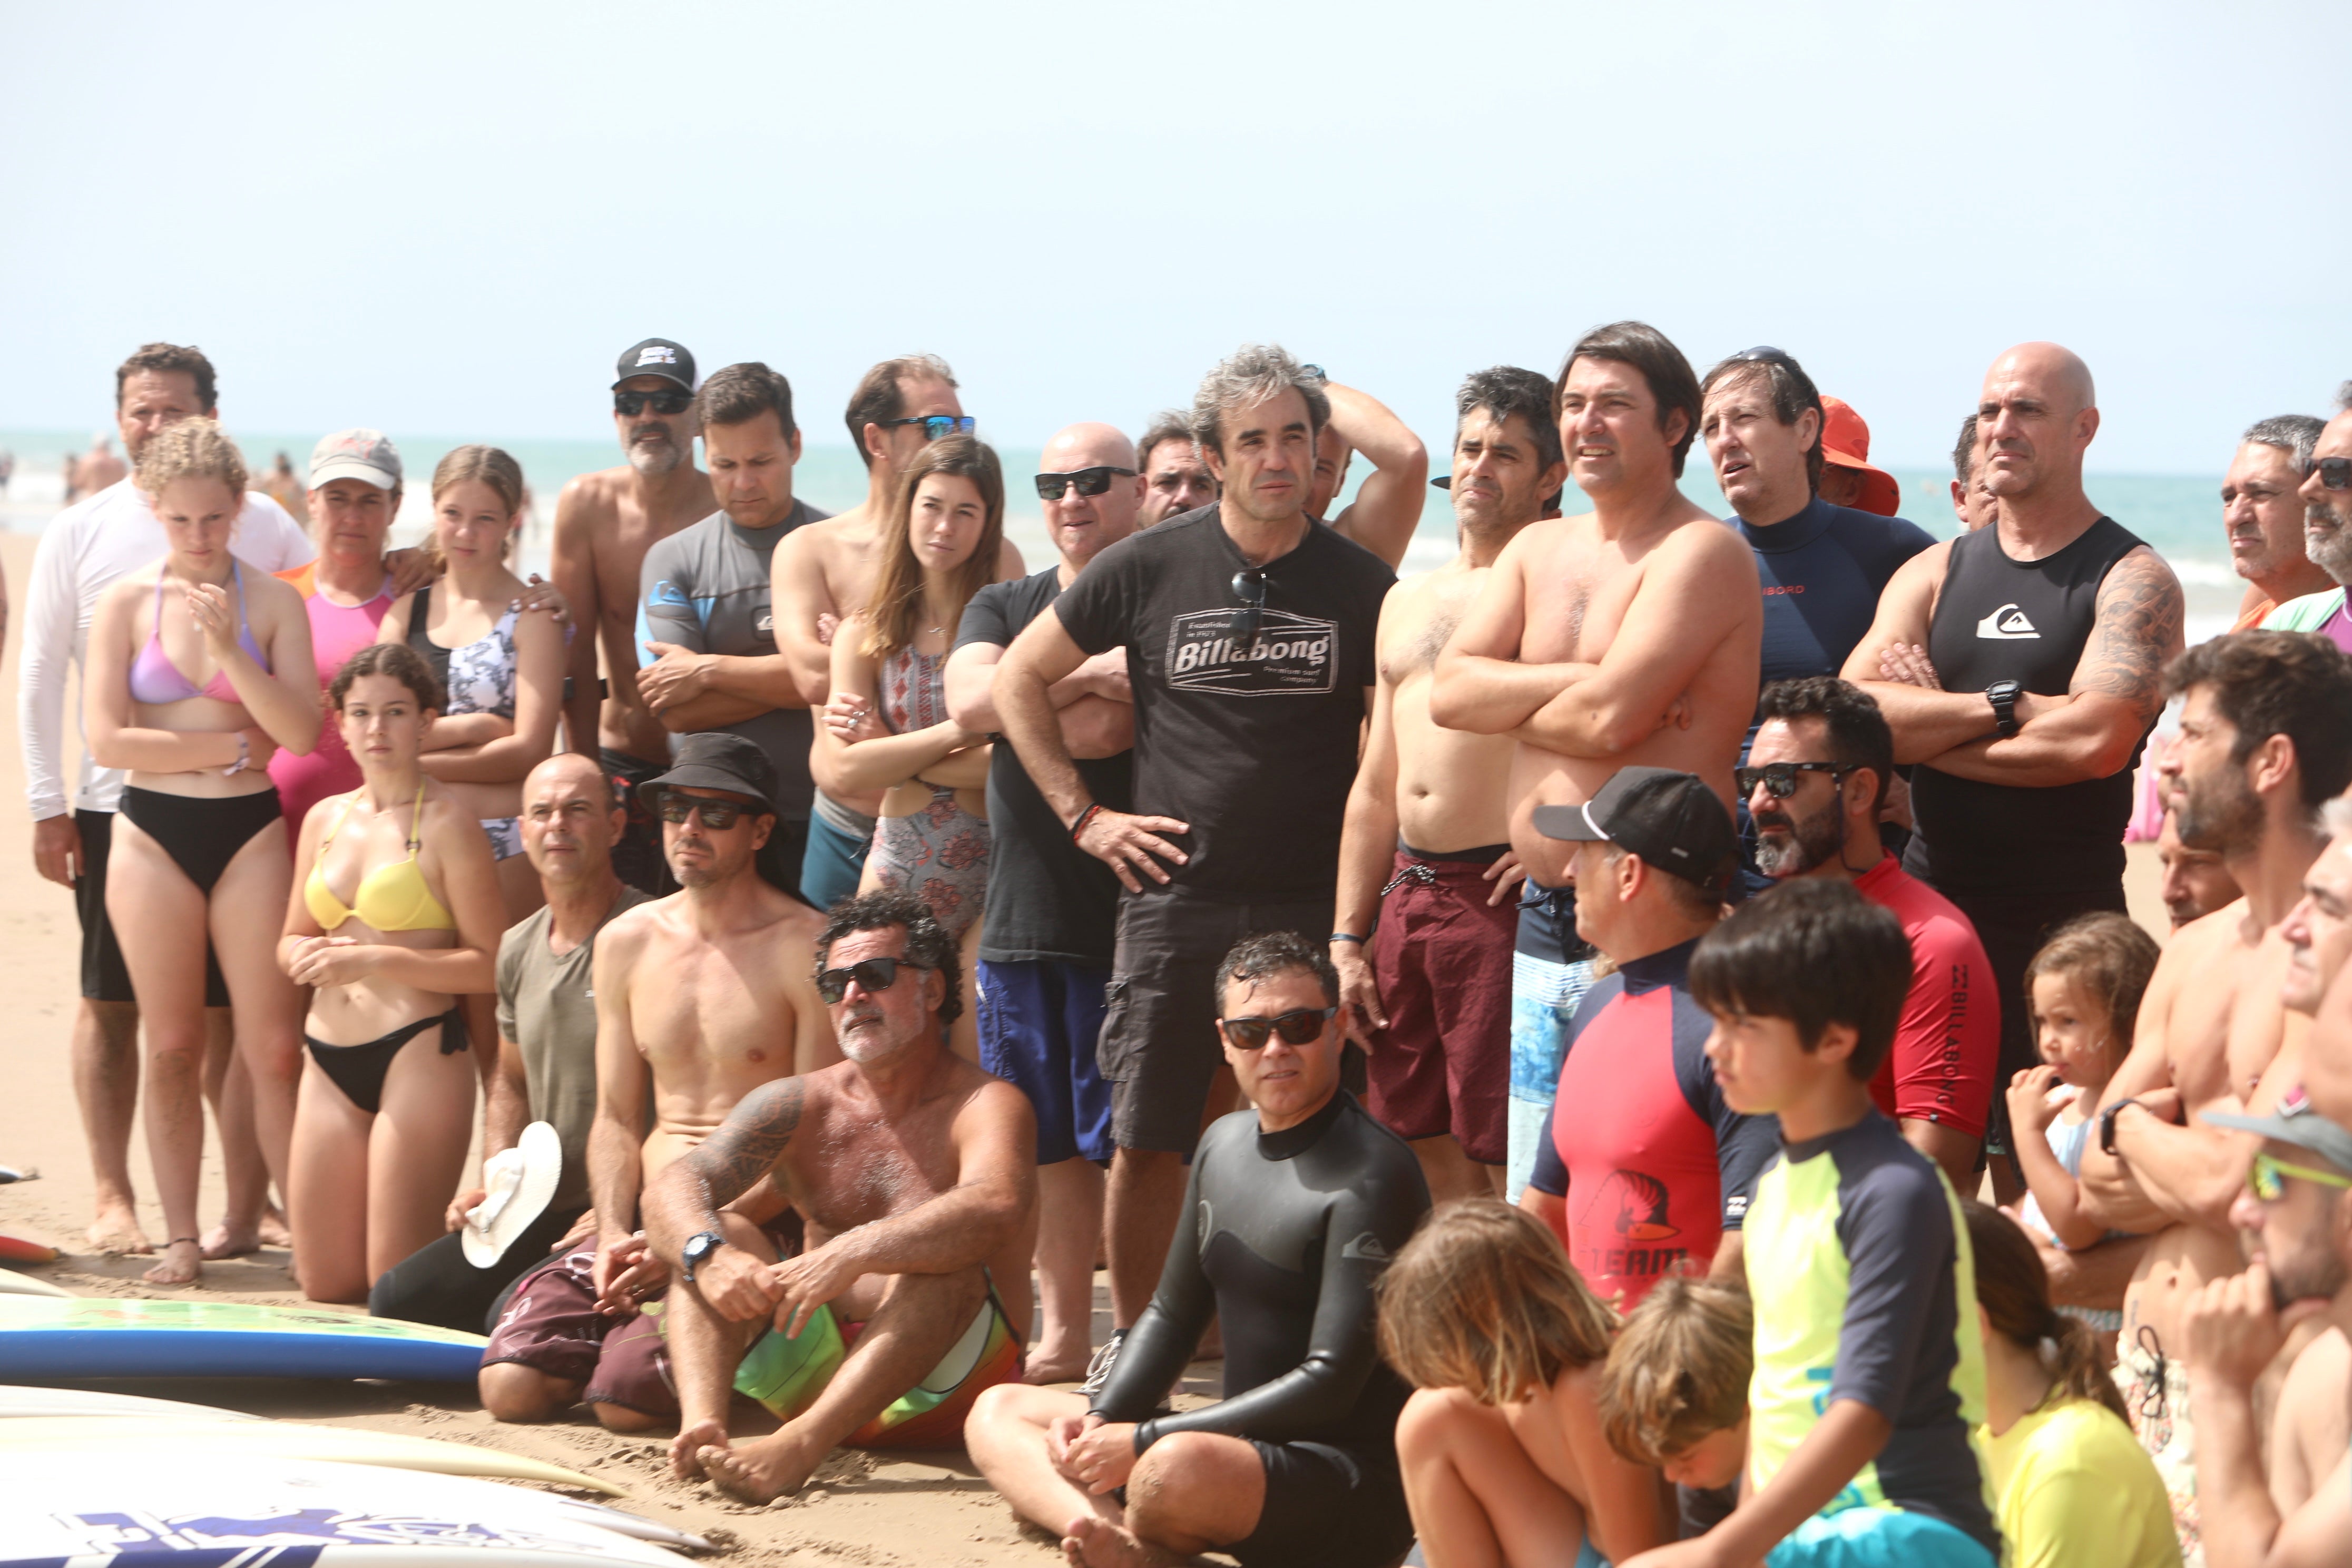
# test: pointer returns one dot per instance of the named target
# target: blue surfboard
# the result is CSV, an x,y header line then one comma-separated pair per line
x,y
41,1339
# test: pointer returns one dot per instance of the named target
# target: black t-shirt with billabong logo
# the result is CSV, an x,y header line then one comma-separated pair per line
x,y
1253,745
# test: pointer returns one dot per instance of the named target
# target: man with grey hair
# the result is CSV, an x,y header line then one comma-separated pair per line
x,y
2327,494
1387,507
1972,503
1175,477
2261,509
1249,634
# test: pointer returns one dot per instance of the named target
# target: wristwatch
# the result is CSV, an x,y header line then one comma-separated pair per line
x,y
2106,1127
695,1250
2003,696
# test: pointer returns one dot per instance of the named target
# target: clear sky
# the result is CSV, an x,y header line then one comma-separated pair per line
x,y
447,219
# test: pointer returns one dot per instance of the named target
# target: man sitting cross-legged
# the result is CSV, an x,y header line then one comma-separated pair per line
x,y
1292,1213
914,1175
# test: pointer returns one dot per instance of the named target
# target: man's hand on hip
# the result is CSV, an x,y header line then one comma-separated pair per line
x,y
1128,844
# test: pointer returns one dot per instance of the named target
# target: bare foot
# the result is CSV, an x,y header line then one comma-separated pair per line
x,y
116,1232
273,1231
181,1263
1095,1542
1038,1369
226,1241
760,1471
692,1442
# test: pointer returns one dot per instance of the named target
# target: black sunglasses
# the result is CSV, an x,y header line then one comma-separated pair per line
x,y
717,815
1780,778
1091,481
871,975
938,425
1297,1028
629,404
2334,473
1249,588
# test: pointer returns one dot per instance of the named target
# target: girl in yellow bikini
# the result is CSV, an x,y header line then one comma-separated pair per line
x,y
396,912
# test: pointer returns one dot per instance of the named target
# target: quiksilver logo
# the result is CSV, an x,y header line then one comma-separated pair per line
x,y
2007,624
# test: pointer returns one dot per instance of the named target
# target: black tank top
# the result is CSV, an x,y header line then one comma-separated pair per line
x,y
2027,621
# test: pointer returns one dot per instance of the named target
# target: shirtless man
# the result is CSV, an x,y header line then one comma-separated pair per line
x,y
697,997
2195,881
1387,507
1421,936
604,523
1176,478
822,574
2266,738
913,1175
1631,633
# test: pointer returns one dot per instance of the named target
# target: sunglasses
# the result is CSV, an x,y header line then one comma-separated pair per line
x,y
938,425
1091,481
2267,1180
872,975
2334,473
1249,588
717,815
1300,1026
631,404
1779,779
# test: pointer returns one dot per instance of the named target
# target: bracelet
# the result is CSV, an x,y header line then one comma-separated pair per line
x,y
243,758
2107,1124
1344,936
1078,829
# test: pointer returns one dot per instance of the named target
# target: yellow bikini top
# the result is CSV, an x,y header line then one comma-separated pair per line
x,y
391,898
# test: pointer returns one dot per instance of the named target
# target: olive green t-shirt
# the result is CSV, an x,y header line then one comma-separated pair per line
x,y
547,1006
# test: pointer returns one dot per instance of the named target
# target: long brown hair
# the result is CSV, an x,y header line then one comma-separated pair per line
x,y
2014,1291
494,467
898,583
1483,1299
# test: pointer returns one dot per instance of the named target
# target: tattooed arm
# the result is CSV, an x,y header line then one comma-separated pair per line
x,y
2115,695
684,1201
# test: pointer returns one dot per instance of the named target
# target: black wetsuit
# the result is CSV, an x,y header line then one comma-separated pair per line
x,y
1282,1236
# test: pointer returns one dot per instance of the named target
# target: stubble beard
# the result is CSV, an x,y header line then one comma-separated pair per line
x,y
2223,817
2327,539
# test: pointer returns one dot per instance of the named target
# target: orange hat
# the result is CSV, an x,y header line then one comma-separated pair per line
x,y
1845,441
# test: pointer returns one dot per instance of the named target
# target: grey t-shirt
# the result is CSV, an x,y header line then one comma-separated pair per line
x,y
706,588
547,1007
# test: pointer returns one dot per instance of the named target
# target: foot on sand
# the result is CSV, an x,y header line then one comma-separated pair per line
x,y
181,1263
760,1471
1054,1361
687,1449
116,1232
1095,1542
225,1240
273,1231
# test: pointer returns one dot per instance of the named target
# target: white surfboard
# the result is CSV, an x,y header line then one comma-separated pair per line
x,y
61,1510
124,1441
14,1284
19,1401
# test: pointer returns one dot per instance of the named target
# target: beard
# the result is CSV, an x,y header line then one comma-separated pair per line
x,y
654,450
1811,840
2315,1277
2217,813
2327,539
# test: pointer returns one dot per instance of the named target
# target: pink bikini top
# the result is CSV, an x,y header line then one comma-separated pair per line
x,y
154,678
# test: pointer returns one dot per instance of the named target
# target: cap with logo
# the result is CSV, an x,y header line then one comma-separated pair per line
x,y
656,356
2297,1122
1845,444
1671,819
365,455
713,759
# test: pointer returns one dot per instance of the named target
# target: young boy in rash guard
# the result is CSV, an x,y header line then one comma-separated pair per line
x,y
1869,1376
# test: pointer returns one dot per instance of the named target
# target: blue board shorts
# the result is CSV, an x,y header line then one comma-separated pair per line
x,y
1551,969
1038,1025
1879,1538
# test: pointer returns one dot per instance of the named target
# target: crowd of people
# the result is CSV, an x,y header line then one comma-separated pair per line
x,y
841,922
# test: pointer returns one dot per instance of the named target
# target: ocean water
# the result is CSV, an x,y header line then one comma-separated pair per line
x,y
2180,515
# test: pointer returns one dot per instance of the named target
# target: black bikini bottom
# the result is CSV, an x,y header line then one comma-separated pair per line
x,y
359,1071
202,833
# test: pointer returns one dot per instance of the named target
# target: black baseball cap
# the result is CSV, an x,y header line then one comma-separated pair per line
x,y
656,356
1672,820
713,759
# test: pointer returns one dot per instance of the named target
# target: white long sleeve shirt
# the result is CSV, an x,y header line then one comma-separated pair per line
x,y
86,547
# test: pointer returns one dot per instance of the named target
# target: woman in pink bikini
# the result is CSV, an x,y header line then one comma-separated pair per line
x,y
182,691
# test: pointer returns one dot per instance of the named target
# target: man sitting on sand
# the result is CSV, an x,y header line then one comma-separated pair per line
x,y
1292,1213
698,995
913,1174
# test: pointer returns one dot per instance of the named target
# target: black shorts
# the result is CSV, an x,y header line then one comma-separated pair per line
x,y
1326,1508
104,976
1159,1047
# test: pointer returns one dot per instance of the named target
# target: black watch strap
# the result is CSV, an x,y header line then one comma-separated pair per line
x,y
2003,695
695,1250
2107,1123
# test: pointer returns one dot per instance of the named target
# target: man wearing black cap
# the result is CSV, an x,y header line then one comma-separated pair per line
x,y
1663,1172
604,523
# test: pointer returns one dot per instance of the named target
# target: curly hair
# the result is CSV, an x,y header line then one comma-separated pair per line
x,y
396,659
1264,955
191,449
927,945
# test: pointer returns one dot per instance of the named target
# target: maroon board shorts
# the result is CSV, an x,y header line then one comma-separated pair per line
x,y
1442,955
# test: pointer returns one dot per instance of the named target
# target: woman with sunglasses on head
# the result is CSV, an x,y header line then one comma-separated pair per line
x,y
195,852
395,914
886,726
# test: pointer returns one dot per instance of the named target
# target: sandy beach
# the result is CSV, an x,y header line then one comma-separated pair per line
x,y
928,1509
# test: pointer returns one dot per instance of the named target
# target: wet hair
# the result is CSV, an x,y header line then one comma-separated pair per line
x,y
1792,391
1674,385
1483,1299
1261,955
928,946
2111,958
1168,424
1251,375
1964,452
166,359
395,659
896,598
1504,391
196,449
2294,434
1815,952
1857,731
881,394
2265,683
2013,1288
1679,1370
740,393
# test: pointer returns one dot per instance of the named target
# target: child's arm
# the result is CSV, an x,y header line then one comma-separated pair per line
x,y
1849,1435
2054,1187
